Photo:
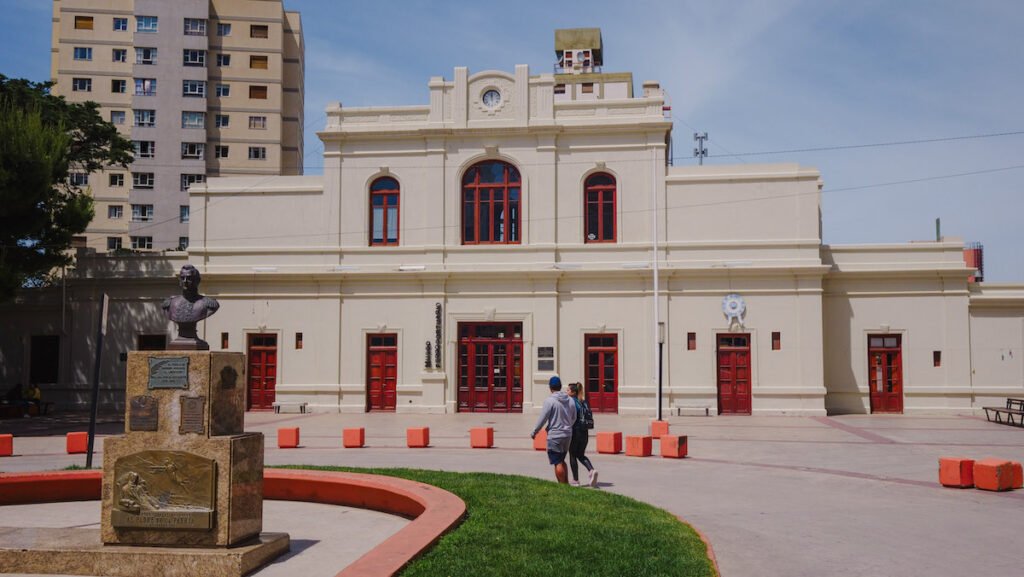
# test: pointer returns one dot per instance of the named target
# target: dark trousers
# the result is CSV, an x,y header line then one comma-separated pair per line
x,y
577,448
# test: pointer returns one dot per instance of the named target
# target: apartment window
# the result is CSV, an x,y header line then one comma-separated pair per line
x,y
119,54
220,151
113,243
587,88
81,84
145,86
384,199
117,116
259,31
599,208
223,60
195,27
145,117
193,88
115,211
491,203
142,243
145,23
193,150
223,29
258,122
221,120
559,89
143,180
193,57
190,119
145,55
258,92
188,180
776,341
83,22
257,153
120,24
182,243
144,148
222,90
116,181
183,212
142,213
260,62
118,86
691,341
83,53
78,179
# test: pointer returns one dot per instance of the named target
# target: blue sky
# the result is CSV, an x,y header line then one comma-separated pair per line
x,y
767,76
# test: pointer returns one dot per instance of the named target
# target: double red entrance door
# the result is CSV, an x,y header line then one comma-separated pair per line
x,y
885,373
381,372
262,354
734,374
491,367
602,372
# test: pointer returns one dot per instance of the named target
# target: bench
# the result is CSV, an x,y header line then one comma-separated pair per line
x,y
1014,409
693,411
279,404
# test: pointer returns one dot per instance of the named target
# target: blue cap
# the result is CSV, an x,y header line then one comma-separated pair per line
x,y
555,383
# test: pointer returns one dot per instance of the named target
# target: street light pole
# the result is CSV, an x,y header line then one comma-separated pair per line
x,y
661,360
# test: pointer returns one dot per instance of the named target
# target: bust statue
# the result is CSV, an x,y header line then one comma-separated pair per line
x,y
187,310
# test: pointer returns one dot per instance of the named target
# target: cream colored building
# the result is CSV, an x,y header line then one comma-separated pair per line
x,y
202,87
456,255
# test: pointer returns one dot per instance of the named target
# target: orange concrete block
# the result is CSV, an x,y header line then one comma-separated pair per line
x,y
417,437
6,445
288,437
481,437
659,429
673,446
353,438
956,472
1017,475
993,474
609,443
540,442
77,442
639,445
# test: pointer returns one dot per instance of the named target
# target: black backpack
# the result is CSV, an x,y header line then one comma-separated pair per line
x,y
586,416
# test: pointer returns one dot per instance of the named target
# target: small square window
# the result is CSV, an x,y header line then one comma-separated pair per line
x,y
220,151
144,148
776,341
117,180
223,60
691,341
83,22
258,122
222,121
82,53
587,88
113,243
188,180
115,211
193,150
182,243
119,54
145,23
223,90
193,119
192,57
145,87
257,153
260,62
193,88
78,179
117,116
120,24
258,92
142,213
118,86
145,117
259,31
559,89
145,55
223,29
81,84
143,180
195,27
142,243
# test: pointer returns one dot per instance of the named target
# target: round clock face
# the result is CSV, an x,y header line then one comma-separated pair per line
x,y
491,98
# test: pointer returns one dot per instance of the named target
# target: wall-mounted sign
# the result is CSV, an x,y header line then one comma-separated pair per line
x,y
545,365
545,352
168,372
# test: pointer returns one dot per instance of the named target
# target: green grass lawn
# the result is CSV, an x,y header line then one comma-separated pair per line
x,y
521,526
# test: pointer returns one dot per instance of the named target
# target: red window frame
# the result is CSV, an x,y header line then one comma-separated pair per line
x,y
480,197
599,208
601,352
387,191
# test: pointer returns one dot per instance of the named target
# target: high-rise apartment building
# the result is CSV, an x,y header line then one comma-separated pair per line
x,y
201,87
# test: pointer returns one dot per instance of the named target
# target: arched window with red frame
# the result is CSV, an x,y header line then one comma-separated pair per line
x,y
491,193
384,199
599,208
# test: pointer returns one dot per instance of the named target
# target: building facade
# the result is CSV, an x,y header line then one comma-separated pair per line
x,y
201,87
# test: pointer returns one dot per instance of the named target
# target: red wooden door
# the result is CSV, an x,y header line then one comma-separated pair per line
x,y
602,372
885,373
491,367
262,371
381,372
734,374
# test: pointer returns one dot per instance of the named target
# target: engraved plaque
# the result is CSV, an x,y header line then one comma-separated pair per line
x,y
168,372
545,365
164,490
193,415
228,377
545,352
143,413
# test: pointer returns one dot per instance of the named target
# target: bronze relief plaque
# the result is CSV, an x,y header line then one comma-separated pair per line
x,y
168,372
143,413
193,415
164,490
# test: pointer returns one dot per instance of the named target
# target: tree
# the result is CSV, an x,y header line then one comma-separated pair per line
x,y
43,138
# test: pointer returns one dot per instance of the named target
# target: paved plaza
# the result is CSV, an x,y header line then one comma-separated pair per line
x,y
794,496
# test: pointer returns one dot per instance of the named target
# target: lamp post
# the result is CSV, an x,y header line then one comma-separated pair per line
x,y
661,360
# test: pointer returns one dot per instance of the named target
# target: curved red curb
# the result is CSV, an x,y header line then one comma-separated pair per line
x,y
707,545
434,511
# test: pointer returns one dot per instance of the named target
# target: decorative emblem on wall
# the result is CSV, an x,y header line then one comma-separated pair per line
x,y
733,307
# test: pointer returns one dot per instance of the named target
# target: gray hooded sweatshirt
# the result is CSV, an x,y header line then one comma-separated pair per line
x,y
559,411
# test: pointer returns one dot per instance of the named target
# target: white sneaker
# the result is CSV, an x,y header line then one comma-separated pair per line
x,y
593,477
574,483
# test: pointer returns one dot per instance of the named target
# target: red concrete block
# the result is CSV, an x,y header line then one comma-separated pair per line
x,y
78,442
1017,475
6,445
956,472
481,437
673,446
417,437
609,443
353,438
288,437
639,445
540,442
993,475
659,429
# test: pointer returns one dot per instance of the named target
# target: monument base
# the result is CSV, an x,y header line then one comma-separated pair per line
x,y
81,552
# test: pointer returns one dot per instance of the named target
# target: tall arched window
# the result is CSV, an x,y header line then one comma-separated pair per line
x,y
599,208
384,197
490,203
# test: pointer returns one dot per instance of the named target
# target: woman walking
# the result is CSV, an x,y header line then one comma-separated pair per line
x,y
581,435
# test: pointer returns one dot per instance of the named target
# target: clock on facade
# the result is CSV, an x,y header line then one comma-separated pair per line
x,y
491,98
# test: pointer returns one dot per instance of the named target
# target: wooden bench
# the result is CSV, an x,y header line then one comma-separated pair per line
x,y
1013,411
300,404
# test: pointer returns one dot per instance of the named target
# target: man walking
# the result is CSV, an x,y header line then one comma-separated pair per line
x,y
559,412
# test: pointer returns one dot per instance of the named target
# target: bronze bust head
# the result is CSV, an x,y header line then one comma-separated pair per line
x,y
188,309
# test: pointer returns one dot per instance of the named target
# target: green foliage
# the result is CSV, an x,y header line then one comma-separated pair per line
x,y
42,139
